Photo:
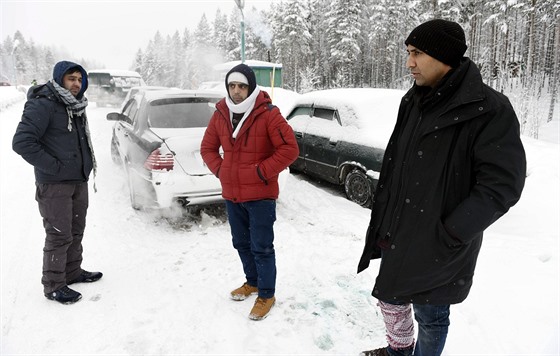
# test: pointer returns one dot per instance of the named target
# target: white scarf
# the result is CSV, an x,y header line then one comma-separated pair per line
x,y
246,106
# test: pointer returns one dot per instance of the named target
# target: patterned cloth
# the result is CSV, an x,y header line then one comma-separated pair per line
x,y
73,105
399,325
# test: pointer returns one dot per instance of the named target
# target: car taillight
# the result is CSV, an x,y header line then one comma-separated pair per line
x,y
158,161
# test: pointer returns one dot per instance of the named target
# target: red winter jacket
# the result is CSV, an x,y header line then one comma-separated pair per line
x,y
264,147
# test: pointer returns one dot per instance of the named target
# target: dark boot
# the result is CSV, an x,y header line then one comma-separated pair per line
x,y
376,352
64,295
86,277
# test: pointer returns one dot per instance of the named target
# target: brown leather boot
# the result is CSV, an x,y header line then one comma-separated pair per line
x,y
261,308
243,292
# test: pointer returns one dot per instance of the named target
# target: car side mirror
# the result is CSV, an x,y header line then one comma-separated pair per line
x,y
115,116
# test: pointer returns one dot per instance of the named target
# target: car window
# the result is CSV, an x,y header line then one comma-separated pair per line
x,y
130,111
300,111
181,112
126,82
327,114
103,79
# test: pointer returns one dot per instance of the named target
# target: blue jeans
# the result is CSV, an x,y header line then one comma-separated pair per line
x,y
253,237
433,324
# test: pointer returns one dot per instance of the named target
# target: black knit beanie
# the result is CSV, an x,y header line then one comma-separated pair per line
x,y
247,72
441,39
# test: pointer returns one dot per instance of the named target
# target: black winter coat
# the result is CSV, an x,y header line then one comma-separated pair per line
x,y
455,169
42,138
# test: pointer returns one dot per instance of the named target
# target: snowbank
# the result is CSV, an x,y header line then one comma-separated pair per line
x,y
10,95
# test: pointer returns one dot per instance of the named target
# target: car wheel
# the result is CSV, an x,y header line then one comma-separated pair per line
x,y
132,191
358,188
115,152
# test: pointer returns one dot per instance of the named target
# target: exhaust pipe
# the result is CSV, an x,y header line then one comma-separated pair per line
x,y
183,202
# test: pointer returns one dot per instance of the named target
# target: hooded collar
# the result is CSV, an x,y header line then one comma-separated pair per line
x,y
465,76
62,67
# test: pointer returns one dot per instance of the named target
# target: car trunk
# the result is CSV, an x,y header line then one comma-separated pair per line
x,y
185,145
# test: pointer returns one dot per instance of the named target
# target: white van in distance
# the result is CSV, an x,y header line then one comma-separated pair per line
x,y
110,86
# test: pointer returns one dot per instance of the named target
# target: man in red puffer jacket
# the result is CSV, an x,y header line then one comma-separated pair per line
x,y
258,144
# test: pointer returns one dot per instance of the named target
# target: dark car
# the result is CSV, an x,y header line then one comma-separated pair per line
x,y
342,135
157,137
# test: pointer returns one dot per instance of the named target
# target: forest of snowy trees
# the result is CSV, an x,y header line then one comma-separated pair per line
x,y
352,43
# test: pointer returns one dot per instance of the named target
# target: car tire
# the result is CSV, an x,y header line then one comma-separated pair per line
x,y
358,188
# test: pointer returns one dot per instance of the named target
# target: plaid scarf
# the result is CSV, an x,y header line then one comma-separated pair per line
x,y
78,108
73,105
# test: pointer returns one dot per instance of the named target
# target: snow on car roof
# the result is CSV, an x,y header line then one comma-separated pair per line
x,y
373,111
225,67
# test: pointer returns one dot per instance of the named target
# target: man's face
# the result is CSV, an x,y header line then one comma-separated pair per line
x,y
238,92
426,70
72,82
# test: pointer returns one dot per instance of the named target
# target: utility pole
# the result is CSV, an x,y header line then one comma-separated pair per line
x,y
241,5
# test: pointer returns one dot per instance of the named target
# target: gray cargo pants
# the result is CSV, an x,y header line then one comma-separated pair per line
x,y
63,208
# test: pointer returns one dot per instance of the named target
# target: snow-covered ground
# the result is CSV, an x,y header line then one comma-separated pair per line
x,y
166,283
10,95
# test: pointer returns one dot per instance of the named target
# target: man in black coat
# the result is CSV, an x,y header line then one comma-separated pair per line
x,y
453,165
54,137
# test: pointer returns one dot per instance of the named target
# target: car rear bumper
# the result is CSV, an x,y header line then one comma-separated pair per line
x,y
172,189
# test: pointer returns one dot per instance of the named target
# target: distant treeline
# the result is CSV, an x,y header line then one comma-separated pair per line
x,y
360,43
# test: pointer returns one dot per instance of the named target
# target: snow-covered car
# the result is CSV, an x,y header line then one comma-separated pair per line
x,y
156,137
342,135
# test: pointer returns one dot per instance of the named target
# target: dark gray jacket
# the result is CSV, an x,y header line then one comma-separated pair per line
x,y
454,164
42,138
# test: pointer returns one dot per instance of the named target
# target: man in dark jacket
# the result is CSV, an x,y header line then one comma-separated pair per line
x,y
453,165
53,136
257,145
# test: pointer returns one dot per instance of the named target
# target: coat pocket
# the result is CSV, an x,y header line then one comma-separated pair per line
x,y
447,245
69,170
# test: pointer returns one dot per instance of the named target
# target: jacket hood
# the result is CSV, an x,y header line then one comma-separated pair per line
x,y
64,66
466,73
34,90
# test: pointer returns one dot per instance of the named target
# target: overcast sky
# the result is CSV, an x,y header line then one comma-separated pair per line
x,y
109,31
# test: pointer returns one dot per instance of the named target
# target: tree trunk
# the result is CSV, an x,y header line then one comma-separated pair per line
x,y
555,82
